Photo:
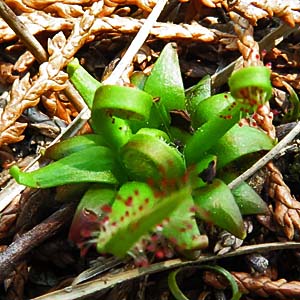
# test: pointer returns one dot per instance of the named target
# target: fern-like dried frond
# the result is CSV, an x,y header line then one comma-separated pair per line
x,y
248,47
38,22
287,10
261,285
25,94
287,208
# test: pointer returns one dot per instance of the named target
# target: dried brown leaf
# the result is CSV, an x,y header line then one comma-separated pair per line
x,y
64,10
6,76
24,62
8,217
75,8
15,284
35,22
42,4
57,105
293,78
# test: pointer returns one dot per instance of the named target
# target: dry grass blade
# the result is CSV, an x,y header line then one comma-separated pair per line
x,y
136,44
89,288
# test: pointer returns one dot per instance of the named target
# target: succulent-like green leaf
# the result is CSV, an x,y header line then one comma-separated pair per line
x,y
123,102
116,131
136,211
89,211
147,157
211,107
240,141
182,229
251,84
84,82
74,144
197,93
209,133
216,204
94,164
248,201
165,81
138,79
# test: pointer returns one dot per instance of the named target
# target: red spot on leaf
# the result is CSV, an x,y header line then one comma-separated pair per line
x,y
106,208
159,254
129,201
193,209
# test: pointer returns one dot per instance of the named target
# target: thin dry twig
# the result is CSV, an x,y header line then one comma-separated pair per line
x,y
12,255
89,288
136,44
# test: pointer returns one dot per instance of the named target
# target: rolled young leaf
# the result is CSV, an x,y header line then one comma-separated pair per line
x,y
251,84
177,293
94,164
123,102
216,204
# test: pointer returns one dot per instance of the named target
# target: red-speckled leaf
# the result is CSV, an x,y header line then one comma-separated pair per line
x,y
89,211
136,211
